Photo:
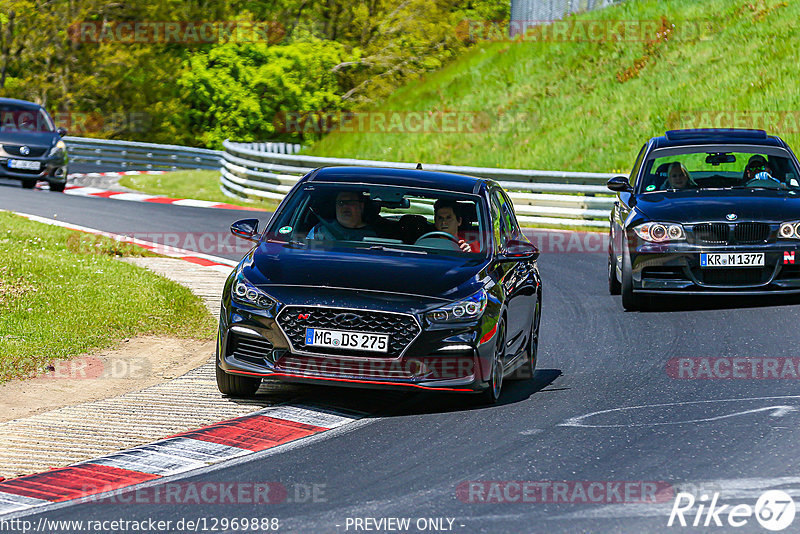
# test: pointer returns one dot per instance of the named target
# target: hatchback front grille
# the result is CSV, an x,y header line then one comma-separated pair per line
x,y
401,328
248,349
733,277
34,151
711,233
751,232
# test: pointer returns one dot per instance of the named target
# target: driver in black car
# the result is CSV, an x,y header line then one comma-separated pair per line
x,y
446,219
758,168
349,224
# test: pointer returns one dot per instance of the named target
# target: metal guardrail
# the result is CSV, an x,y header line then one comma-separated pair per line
x,y
540,197
140,156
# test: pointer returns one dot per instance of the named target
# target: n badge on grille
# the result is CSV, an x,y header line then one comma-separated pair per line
x,y
301,316
788,257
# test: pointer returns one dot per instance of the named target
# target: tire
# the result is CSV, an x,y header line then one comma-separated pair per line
x,y
236,385
630,300
526,370
58,187
28,183
492,394
614,287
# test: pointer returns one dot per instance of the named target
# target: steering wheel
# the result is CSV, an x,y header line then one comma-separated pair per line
x,y
433,240
763,177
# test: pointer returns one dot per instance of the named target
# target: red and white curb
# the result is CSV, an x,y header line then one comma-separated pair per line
x,y
178,454
222,265
96,192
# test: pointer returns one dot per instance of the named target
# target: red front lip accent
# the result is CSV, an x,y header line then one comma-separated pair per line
x,y
488,335
351,380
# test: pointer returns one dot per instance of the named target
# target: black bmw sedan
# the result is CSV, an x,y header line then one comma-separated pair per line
x,y
31,147
383,278
713,211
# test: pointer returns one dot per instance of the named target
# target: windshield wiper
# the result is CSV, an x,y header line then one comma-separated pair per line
x,y
389,249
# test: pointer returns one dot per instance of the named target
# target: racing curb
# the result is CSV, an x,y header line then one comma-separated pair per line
x,y
206,260
95,192
181,453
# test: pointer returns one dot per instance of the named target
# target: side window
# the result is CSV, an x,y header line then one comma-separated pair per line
x,y
496,223
510,218
637,166
505,226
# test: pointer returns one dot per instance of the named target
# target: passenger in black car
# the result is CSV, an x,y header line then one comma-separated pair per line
x,y
678,177
349,224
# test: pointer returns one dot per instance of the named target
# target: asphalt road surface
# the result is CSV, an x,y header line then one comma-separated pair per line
x,y
604,408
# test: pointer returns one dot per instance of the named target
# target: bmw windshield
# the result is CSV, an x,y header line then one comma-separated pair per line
x,y
382,218
719,167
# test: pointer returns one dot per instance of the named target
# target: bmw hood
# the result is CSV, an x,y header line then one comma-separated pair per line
x,y
434,275
720,205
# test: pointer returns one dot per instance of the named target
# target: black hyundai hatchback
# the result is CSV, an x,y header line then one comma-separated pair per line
x,y
31,147
714,211
383,278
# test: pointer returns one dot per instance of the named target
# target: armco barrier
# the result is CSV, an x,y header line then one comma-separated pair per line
x,y
132,155
540,197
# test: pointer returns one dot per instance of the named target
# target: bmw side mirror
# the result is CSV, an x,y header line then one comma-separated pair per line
x,y
517,250
61,131
619,184
246,229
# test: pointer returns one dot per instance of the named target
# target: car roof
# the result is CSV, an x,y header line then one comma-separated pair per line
x,y
443,181
716,136
21,103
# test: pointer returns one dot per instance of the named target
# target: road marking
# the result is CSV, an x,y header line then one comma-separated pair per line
x,y
774,411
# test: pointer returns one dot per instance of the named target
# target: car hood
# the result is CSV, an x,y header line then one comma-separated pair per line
x,y
28,138
716,205
431,275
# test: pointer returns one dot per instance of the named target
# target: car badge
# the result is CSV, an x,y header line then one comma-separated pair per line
x,y
731,216
301,316
347,319
24,150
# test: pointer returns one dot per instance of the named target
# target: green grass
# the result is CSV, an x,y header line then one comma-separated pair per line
x,y
198,185
63,294
589,106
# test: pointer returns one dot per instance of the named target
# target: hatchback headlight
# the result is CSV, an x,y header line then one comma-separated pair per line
x,y
468,309
658,232
60,147
789,230
245,292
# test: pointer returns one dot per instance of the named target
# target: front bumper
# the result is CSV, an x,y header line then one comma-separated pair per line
x,y
53,169
675,268
254,342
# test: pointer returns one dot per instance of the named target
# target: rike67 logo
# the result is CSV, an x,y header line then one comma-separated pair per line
x,y
774,510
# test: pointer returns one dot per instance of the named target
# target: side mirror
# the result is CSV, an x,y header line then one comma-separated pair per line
x,y
619,184
519,251
246,229
61,131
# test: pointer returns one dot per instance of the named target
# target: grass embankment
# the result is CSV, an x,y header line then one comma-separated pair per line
x,y
198,185
589,105
63,294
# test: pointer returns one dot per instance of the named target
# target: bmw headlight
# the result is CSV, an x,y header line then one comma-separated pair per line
x,y
60,147
468,309
789,230
658,232
245,292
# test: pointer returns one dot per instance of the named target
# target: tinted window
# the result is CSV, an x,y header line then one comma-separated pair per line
x,y
15,118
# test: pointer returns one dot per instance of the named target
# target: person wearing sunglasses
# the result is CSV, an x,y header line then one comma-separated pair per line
x,y
758,168
349,224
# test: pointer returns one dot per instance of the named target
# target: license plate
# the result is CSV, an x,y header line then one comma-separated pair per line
x,y
337,339
24,164
732,259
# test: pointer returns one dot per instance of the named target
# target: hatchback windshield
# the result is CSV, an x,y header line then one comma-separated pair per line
x,y
381,218
712,168
15,118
